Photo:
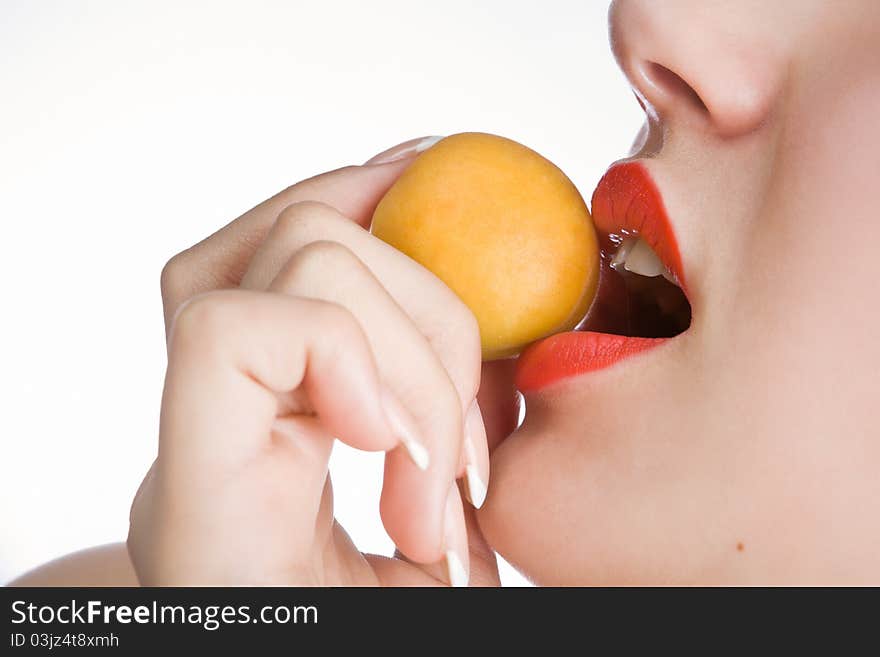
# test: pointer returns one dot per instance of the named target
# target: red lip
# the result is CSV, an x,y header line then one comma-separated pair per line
x,y
626,202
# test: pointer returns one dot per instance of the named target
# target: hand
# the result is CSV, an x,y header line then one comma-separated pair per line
x,y
330,332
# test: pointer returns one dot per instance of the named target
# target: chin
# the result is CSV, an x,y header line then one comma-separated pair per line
x,y
543,513
575,499
526,516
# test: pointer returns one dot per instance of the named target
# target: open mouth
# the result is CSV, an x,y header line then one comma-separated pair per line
x,y
642,297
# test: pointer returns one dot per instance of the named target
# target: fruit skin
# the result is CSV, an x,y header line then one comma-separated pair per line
x,y
504,228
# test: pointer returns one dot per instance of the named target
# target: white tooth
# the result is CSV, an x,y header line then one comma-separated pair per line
x,y
642,260
622,251
669,276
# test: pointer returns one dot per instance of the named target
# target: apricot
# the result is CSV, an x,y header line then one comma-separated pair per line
x,y
504,228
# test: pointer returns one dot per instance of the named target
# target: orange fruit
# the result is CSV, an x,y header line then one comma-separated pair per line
x,y
504,228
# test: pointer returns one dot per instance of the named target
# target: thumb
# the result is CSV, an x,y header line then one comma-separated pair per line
x,y
499,400
499,403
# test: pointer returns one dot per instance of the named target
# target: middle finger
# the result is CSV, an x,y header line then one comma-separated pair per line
x,y
413,500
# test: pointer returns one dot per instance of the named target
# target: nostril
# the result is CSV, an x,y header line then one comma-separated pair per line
x,y
668,83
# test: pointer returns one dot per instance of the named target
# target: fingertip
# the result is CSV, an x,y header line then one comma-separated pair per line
x,y
476,456
403,151
412,507
455,541
475,488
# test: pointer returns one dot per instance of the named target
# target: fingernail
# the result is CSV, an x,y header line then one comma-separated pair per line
x,y
402,426
455,539
406,149
458,576
475,487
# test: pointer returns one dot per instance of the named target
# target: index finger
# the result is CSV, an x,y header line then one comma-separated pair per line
x,y
220,260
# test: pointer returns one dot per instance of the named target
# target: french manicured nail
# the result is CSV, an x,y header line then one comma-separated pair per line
x,y
476,489
475,484
455,539
406,149
458,576
402,426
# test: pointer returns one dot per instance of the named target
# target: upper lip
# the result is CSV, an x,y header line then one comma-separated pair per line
x,y
627,202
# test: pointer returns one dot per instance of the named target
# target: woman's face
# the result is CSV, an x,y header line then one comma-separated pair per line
x,y
745,449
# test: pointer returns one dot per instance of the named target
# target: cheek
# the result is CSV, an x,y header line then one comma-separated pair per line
x,y
811,267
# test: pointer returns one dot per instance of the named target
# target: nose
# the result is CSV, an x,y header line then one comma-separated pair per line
x,y
699,63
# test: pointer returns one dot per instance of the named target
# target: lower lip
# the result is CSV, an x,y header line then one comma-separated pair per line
x,y
576,352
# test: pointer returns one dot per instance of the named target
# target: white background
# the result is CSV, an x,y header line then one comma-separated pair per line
x,y
129,131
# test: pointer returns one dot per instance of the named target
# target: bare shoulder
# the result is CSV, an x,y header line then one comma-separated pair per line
x,y
104,565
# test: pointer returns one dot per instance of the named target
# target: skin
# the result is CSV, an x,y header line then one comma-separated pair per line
x,y
743,451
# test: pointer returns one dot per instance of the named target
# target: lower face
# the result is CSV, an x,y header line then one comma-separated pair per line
x,y
743,450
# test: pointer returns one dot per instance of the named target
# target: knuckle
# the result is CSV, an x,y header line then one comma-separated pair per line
x,y
304,221
174,275
337,320
340,329
202,320
324,251
312,263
